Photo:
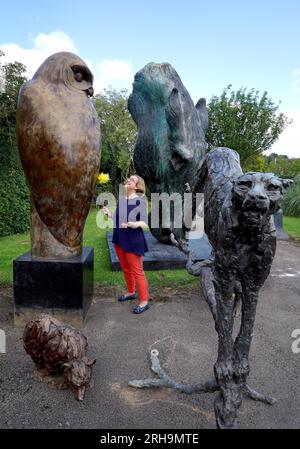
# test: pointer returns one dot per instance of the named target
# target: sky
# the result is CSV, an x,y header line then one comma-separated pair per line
x,y
254,44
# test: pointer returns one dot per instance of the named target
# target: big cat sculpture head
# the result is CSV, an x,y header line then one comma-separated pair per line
x,y
58,133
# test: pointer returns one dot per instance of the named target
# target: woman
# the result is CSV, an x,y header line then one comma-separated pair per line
x,y
129,240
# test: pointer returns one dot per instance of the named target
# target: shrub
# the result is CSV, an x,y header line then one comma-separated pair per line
x,y
291,200
14,198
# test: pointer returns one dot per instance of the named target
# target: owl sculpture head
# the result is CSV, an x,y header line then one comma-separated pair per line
x,y
58,133
69,69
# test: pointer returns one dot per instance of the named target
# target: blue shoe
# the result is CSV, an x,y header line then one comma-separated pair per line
x,y
139,309
123,298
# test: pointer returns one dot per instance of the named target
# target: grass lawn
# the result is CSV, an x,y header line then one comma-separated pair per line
x,y
292,226
14,245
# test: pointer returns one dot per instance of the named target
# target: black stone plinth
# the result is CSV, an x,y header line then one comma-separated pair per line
x,y
278,220
161,256
63,287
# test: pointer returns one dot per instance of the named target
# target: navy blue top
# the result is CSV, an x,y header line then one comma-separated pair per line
x,y
129,239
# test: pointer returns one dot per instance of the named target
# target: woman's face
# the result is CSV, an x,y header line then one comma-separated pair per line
x,y
131,182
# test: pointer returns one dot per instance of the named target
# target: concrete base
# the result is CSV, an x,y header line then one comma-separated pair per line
x,y
63,288
161,256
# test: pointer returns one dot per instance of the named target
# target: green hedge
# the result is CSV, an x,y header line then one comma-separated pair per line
x,y
14,196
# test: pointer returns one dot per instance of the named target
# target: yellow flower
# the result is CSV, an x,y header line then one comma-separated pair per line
x,y
103,178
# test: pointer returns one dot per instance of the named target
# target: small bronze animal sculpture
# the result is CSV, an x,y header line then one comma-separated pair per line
x,y
58,348
58,133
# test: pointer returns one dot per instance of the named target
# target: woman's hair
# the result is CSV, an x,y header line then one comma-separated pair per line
x,y
140,185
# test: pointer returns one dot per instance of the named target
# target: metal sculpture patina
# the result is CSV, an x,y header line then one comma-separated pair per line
x,y
171,136
57,348
238,217
58,134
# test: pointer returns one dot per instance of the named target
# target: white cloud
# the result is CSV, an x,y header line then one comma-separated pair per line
x,y
115,73
44,46
53,42
289,141
114,69
296,81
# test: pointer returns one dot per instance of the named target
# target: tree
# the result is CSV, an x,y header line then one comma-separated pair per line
x,y
283,166
118,135
245,122
14,195
255,163
2,77
12,75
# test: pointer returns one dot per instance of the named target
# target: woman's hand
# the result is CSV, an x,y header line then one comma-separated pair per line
x,y
133,224
106,211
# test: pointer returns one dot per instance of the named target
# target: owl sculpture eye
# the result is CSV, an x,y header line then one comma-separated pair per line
x,y
78,76
82,73
83,79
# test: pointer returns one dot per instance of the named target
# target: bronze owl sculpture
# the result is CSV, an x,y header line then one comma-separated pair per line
x,y
58,134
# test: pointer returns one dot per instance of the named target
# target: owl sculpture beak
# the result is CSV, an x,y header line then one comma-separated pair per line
x,y
90,91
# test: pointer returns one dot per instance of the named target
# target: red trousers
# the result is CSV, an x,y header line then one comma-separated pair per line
x,y
132,266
